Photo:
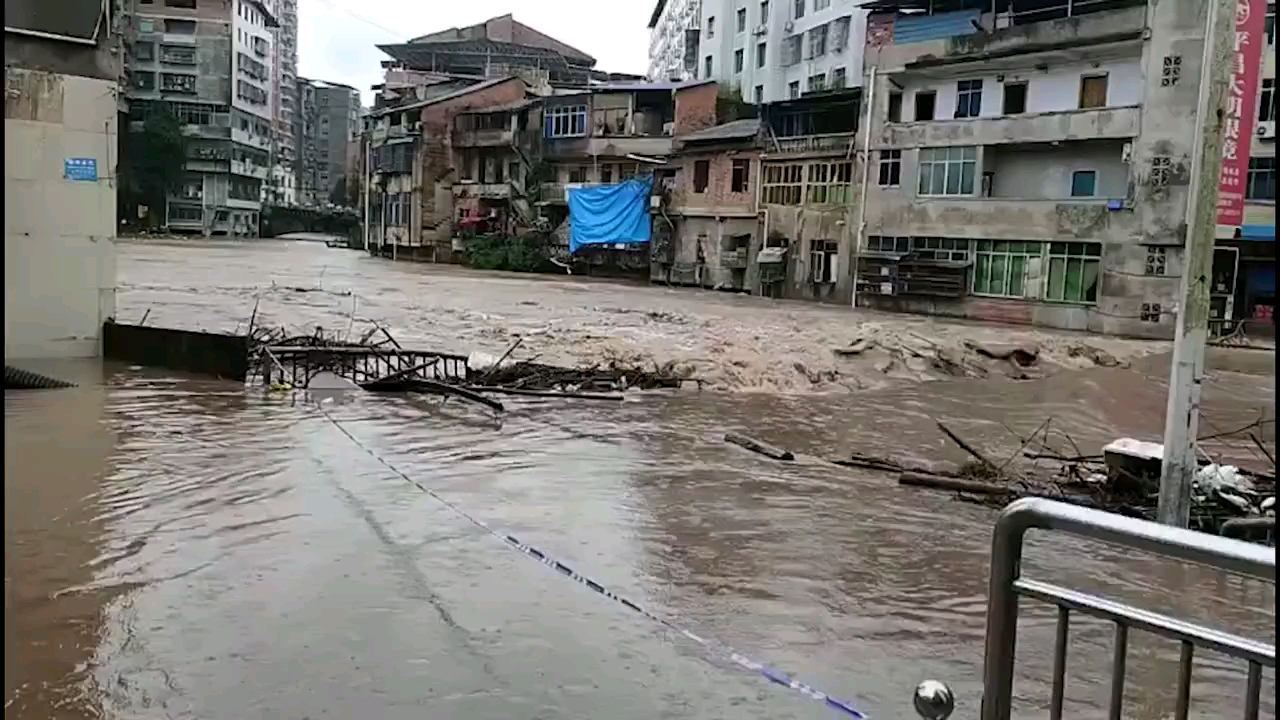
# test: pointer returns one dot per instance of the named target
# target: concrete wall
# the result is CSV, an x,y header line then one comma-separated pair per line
x,y
58,245
1045,171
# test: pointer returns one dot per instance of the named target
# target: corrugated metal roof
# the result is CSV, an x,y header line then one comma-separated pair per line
x,y
736,130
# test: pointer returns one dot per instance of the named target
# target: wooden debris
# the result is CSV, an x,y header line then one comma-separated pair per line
x,y
431,386
545,393
758,446
941,482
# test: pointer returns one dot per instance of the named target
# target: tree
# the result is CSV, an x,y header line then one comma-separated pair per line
x,y
157,155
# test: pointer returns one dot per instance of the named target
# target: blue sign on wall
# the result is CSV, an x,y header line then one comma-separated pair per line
x,y
80,169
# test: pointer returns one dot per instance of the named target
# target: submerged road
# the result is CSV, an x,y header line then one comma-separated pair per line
x,y
182,548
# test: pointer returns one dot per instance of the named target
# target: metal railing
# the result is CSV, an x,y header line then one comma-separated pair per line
x,y
1007,585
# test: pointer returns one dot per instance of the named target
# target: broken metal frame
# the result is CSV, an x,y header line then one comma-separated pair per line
x,y
1007,585
296,365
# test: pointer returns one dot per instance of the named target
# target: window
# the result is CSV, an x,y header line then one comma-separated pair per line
x,y
925,102
1267,102
890,168
577,174
144,80
895,107
822,260
838,78
947,171
782,184
840,33
799,6
174,83
737,61
1093,91
816,82
759,94
820,5
1015,98
742,20
818,42
764,11
144,51
1084,183
791,49
741,173
178,54
189,213
180,27
1000,267
968,98
185,4
830,183
761,54
793,89
565,121
1073,272
701,175
146,25
1262,179
1269,25
707,67
711,27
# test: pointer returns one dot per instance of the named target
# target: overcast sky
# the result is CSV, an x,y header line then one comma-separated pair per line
x,y
337,38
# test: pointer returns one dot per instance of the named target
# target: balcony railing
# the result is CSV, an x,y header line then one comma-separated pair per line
x,y
804,144
1116,123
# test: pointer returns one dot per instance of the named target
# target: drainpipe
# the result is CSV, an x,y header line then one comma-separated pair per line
x,y
866,178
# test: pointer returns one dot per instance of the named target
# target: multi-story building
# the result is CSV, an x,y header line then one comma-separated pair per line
x,y
281,187
61,118
327,123
767,50
209,62
1032,165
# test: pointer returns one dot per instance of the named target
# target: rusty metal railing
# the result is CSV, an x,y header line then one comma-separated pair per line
x,y
1007,586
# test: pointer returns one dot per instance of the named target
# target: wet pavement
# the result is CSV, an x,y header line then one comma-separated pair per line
x,y
181,548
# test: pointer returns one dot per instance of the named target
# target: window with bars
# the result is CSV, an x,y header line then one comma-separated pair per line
x,y
565,121
947,171
782,184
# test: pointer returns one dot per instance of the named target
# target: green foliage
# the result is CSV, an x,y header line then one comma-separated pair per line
x,y
156,157
501,252
730,106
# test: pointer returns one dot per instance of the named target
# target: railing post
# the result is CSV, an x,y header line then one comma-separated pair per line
x,y
1002,615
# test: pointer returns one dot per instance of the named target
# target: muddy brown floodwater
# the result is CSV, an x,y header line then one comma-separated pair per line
x,y
184,548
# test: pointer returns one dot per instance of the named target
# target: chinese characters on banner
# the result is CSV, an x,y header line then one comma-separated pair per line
x,y
1242,103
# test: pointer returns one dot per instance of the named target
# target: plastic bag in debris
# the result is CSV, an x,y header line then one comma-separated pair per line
x,y
1222,477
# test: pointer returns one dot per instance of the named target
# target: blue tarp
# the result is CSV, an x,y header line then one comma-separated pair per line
x,y
606,214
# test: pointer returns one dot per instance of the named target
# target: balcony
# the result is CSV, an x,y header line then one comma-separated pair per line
x,y
622,146
1104,123
240,167
483,138
801,145
486,191
557,193
244,137
1092,219
212,132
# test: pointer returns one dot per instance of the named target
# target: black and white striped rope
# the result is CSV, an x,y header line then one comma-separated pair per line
x,y
767,671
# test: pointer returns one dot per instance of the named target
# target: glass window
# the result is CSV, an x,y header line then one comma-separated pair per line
x,y
782,184
737,61
565,121
1073,272
1262,179
1084,183
968,98
947,171
890,169
742,20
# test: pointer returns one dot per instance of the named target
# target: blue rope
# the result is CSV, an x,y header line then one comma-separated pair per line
x,y
768,672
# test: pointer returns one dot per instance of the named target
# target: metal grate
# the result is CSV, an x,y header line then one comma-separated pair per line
x,y
1234,556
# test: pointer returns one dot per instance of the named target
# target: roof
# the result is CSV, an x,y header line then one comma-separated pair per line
x,y
657,13
736,130
505,107
505,28
442,98
644,86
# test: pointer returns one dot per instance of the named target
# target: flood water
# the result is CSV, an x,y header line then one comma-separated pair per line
x,y
185,548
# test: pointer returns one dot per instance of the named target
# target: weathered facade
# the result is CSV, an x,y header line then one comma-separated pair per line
x,y
497,152
1032,165
414,170
708,232
809,197
61,119
328,122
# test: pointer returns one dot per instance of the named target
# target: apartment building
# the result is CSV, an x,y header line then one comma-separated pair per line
x,y
768,50
497,151
1031,164
61,119
327,123
209,62
281,187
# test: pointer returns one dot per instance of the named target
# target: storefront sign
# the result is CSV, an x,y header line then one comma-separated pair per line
x,y
1242,101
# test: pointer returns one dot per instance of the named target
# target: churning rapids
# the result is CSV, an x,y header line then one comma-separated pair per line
x,y
186,548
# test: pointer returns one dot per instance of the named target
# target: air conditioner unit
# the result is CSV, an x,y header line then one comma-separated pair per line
x,y
761,29
1267,130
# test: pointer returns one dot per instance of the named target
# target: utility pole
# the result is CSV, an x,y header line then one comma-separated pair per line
x,y
860,232
1191,333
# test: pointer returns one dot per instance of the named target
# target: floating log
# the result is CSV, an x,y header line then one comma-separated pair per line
x,y
545,393
432,386
939,482
757,446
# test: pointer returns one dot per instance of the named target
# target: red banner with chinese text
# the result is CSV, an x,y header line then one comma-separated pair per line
x,y
1242,105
